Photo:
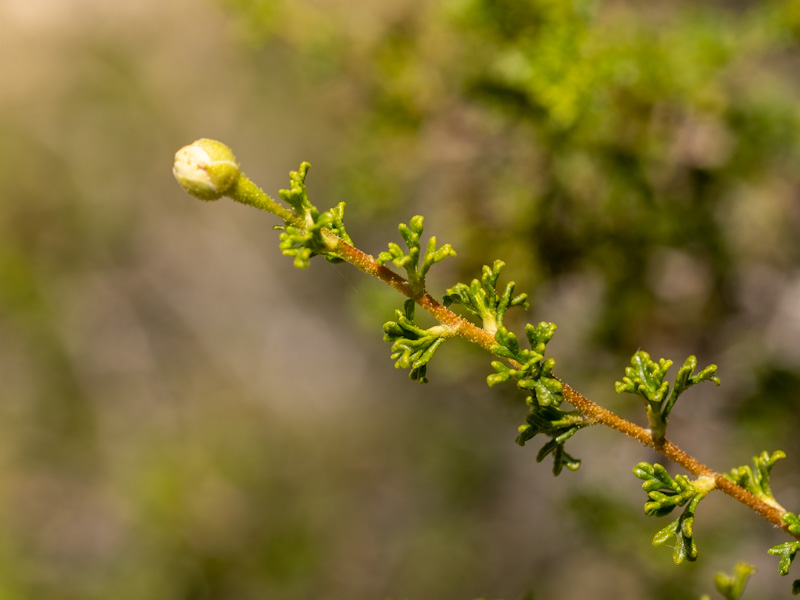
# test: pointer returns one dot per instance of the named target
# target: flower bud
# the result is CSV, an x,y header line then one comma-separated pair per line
x,y
206,169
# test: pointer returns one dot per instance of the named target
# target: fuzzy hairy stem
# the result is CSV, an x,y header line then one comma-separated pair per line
x,y
598,415
457,325
248,193
666,448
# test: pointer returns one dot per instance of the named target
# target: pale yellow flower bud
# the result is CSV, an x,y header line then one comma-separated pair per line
x,y
206,169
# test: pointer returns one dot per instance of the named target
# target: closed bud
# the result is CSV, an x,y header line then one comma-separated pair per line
x,y
206,169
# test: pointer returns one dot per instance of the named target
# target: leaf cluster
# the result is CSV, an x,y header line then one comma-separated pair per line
x,y
645,378
304,241
756,480
412,346
481,297
787,551
666,494
533,373
560,425
410,261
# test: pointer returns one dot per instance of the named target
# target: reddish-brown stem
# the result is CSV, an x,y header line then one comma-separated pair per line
x,y
459,326
605,417
593,411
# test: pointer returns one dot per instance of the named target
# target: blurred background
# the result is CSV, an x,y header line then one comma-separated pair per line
x,y
185,416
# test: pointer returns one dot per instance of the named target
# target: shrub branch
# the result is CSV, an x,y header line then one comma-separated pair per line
x,y
208,170
596,413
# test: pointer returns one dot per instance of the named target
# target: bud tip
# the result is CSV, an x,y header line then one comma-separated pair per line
x,y
206,169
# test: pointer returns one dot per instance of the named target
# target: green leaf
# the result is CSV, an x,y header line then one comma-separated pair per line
x,y
410,261
534,377
684,548
560,425
787,552
304,242
539,336
548,391
665,493
412,346
507,344
680,534
297,195
686,379
482,299
793,521
503,373
561,458
645,378
534,365
732,586
333,219
756,480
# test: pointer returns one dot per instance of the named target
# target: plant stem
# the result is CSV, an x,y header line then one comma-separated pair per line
x,y
246,192
457,325
598,415
666,448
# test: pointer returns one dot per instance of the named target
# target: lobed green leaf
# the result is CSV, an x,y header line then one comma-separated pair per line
x,y
412,346
410,261
756,480
787,552
686,379
305,242
793,521
297,195
665,493
645,378
560,425
680,533
482,298
732,586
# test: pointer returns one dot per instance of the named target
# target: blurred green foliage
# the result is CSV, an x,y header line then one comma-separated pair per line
x,y
581,136
637,167
653,152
